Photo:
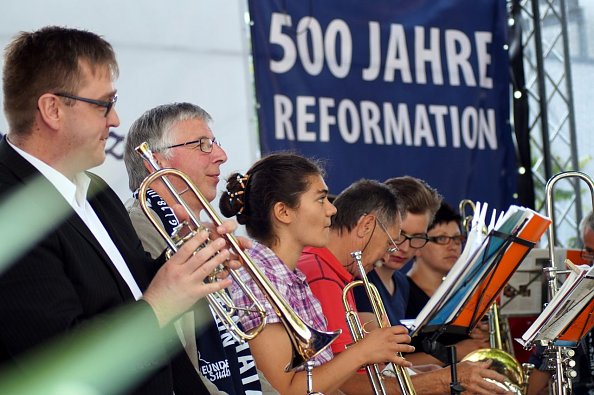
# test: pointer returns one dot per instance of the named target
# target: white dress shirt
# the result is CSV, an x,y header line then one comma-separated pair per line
x,y
75,194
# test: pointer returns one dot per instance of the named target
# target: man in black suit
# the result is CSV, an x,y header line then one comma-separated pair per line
x,y
59,100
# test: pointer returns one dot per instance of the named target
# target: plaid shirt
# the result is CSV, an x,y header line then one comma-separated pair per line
x,y
290,285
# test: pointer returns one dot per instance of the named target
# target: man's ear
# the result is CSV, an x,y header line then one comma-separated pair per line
x,y
50,110
282,213
365,225
161,160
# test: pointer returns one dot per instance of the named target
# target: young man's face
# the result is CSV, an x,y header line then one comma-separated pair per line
x,y
443,249
84,127
414,226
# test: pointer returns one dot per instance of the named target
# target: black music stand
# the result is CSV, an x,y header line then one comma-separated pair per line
x,y
464,300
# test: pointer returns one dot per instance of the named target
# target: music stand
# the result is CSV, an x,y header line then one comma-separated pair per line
x,y
475,280
569,316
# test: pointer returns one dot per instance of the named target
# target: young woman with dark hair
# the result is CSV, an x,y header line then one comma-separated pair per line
x,y
283,202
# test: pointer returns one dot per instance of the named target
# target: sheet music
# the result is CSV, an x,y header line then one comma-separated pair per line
x,y
482,262
575,293
475,240
476,259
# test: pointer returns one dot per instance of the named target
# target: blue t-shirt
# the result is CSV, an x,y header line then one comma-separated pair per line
x,y
395,304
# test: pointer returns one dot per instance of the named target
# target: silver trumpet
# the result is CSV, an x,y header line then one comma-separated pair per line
x,y
306,341
357,331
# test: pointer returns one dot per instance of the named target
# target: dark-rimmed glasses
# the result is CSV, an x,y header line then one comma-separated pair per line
x,y
205,144
445,240
108,105
393,248
415,241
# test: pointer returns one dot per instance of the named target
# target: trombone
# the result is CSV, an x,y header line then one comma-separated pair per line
x,y
306,341
561,356
357,331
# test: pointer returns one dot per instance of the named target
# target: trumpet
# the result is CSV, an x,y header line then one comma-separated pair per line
x,y
306,341
357,331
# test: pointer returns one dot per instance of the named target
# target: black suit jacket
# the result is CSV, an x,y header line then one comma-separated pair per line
x,y
66,279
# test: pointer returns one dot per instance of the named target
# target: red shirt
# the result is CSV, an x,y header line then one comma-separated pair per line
x,y
327,278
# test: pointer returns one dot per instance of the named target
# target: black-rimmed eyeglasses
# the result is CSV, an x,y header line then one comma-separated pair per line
x,y
393,247
415,241
445,240
108,105
205,144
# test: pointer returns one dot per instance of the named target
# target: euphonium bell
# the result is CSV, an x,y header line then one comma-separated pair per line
x,y
306,341
501,361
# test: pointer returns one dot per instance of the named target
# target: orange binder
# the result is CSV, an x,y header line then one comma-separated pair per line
x,y
486,293
581,325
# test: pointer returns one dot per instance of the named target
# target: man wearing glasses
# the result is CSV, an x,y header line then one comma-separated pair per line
x,y
432,263
180,137
81,261
368,219
417,203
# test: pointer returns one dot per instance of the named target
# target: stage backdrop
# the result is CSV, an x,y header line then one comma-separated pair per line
x,y
384,88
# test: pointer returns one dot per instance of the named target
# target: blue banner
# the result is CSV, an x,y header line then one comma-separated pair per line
x,y
385,88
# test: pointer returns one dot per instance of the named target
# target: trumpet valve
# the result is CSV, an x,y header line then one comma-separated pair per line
x,y
183,232
571,373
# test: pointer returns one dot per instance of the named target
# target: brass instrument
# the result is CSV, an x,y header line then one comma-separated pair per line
x,y
466,219
357,331
561,356
306,341
503,361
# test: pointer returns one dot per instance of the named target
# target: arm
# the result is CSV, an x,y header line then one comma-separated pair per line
x,y
463,348
329,377
538,382
471,375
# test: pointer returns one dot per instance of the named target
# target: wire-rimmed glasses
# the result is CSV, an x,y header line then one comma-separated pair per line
x,y
205,144
393,247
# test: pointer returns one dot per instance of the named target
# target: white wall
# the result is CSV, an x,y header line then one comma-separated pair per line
x,y
180,50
